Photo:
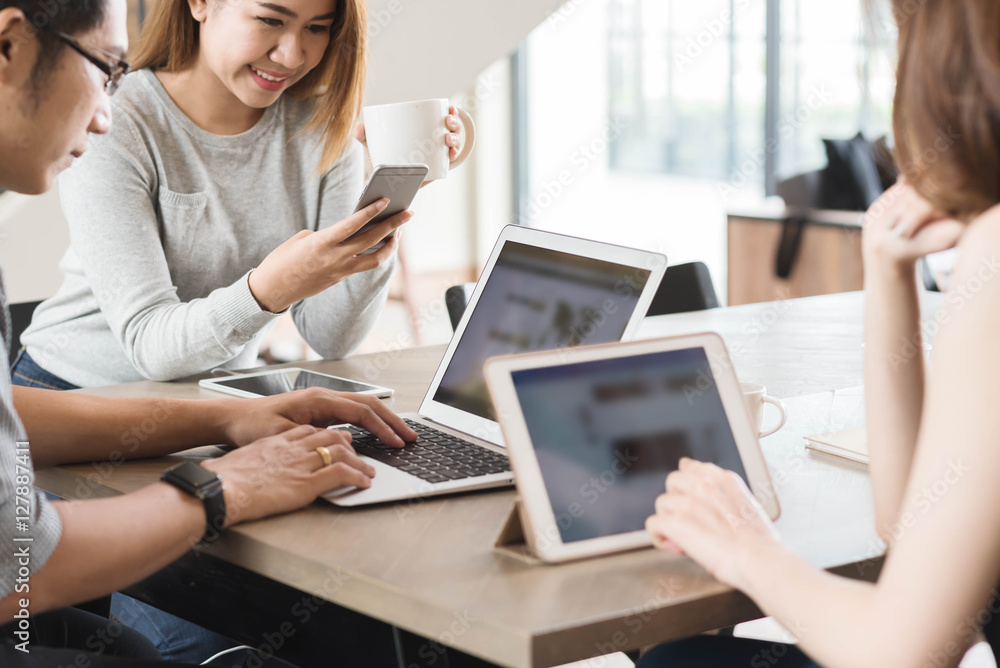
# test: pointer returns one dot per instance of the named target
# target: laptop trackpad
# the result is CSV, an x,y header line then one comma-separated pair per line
x,y
389,483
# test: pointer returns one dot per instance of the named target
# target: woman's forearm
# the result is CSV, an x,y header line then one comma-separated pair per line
x,y
336,321
68,427
894,383
837,621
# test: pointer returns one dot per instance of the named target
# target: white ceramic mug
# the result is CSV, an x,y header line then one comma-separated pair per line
x,y
755,396
408,133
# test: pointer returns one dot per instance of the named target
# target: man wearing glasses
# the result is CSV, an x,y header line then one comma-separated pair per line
x,y
60,60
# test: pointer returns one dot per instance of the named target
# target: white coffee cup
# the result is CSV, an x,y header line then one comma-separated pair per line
x,y
755,396
408,133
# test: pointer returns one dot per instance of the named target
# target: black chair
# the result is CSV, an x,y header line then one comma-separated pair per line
x,y
20,318
685,287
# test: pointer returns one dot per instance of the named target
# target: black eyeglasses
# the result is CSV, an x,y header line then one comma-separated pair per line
x,y
113,66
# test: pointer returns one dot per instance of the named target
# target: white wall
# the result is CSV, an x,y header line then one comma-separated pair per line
x,y
457,220
436,48
33,238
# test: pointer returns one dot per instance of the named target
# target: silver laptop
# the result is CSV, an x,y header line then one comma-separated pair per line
x,y
538,291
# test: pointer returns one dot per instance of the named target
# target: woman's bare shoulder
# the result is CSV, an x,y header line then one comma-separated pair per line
x,y
977,269
980,241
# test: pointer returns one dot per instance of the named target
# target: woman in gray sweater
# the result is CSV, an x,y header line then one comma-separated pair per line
x,y
218,201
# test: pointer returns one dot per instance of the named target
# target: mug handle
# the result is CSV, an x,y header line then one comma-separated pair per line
x,y
777,403
468,134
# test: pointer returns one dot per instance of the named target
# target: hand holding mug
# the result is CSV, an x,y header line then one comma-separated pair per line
x,y
430,132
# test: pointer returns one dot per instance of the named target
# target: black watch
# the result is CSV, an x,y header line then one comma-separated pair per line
x,y
201,484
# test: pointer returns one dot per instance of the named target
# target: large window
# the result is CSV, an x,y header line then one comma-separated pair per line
x,y
687,83
644,121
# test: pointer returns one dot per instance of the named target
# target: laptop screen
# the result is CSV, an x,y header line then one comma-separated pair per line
x,y
538,299
607,433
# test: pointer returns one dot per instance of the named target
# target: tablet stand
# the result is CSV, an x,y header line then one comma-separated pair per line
x,y
510,541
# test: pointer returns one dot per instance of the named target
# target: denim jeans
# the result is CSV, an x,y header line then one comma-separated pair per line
x,y
176,639
27,373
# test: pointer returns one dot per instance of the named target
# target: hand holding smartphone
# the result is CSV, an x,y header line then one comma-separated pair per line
x,y
397,183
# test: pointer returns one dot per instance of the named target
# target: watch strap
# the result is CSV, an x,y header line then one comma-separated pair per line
x,y
205,486
215,514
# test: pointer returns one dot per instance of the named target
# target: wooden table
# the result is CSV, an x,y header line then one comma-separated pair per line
x,y
427,566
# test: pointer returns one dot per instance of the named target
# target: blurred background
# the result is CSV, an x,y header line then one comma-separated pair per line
x,y
640,122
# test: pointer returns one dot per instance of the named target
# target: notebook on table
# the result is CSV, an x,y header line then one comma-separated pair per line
x,y
851,444
538,291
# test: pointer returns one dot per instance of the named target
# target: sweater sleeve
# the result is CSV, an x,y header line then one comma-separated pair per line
x,y
337,320
111,200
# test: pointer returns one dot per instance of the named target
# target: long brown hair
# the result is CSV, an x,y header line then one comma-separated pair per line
x,y
946,117
170,40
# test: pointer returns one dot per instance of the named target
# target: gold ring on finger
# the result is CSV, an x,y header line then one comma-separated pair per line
x,y
324,454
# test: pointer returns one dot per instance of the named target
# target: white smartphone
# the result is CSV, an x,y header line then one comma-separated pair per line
x,y
397,183
276,381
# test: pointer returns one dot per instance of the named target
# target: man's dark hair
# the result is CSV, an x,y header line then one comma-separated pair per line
x,y
68,16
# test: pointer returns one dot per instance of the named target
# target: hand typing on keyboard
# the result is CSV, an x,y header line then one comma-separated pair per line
x,y
435,456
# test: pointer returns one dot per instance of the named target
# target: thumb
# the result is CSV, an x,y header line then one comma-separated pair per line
x,y
347,227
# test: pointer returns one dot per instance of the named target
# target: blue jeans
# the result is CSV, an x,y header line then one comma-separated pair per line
x,y
176,639
27,373
725,652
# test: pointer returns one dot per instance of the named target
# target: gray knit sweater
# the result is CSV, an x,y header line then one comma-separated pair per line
x,y
166,221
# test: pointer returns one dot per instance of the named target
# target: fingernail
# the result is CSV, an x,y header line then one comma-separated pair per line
x,y
408,216
381,204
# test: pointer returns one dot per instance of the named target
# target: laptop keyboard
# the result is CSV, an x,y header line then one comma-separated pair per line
x,y
434,457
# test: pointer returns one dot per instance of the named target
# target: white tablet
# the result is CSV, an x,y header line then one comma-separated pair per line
x,y
593,432
278,381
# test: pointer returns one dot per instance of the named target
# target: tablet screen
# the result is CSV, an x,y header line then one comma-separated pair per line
x,y
277,383
607,433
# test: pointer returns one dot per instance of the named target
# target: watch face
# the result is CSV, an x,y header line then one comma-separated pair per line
x,y
194,475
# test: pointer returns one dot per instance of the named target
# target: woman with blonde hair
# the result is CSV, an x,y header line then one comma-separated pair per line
x,y
937,588
222,197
